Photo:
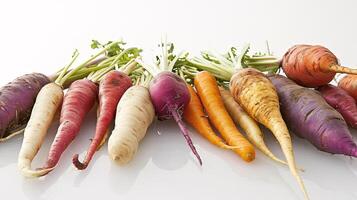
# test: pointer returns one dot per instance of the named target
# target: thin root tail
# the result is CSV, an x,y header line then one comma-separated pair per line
x,y
185,133
78,164
341,69
29,173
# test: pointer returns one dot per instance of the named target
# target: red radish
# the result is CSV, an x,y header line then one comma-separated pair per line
x,y
169,93
342,102
111,89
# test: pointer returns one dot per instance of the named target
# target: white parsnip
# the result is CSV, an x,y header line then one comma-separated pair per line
x,y
48,101
135,113
250,127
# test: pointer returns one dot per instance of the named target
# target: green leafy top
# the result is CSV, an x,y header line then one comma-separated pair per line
x,y
111,55
224,65
164,61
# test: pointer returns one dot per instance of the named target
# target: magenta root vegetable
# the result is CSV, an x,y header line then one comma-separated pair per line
x,y
342,102
309,116
16,101
168,92
170,96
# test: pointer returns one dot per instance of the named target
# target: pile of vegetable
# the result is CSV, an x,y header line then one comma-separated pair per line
x,y
214,93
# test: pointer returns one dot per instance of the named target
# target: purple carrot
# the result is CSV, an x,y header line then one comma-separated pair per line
x,y
16,101
309,116
341,101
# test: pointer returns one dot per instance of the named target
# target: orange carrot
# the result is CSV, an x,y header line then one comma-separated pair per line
x,y
195,116
208,91
312,65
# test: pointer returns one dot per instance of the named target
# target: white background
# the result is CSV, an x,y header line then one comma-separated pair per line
x,y
39,36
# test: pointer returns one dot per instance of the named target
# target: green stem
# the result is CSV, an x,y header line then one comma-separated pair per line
x,y
262,63
147,79
74,57
74,71
224,73
172,63
112,65
106,61
240,59
257,58
152,70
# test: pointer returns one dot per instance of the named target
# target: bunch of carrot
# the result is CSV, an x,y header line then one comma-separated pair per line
x,y
253,91
214,93
78,101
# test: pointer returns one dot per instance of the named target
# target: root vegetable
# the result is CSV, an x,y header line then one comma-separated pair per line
x,y
349,84
342,102
111,88
312,65
250,127
310,117
210,96
169,93
135,113
196,117
47,103
16,102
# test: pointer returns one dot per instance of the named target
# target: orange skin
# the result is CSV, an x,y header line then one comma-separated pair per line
x,y
312,65
196,117
208,91
349,84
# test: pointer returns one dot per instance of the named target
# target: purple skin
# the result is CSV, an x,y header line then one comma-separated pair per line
x,y
309,116
17,99
341,101
169,95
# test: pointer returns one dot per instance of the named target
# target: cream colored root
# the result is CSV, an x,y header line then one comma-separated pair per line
x,y
248,124
257,95
135,113
47,103
281,133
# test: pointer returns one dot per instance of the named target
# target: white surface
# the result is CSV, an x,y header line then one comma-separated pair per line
x,y
41,35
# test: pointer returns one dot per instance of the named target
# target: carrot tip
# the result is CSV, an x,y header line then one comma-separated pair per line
x,y
79,165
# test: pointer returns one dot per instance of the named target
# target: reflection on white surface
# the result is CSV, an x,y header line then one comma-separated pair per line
x,y
165,168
